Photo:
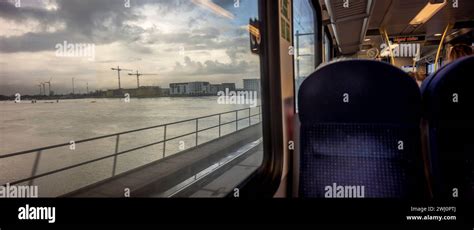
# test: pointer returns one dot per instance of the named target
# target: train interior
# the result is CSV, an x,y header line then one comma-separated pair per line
x,y
376,93
353,98
245,100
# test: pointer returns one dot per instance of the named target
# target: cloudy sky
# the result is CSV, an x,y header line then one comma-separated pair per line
x,y
179,40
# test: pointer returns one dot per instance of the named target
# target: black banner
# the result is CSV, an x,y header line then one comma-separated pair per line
x,y
205,211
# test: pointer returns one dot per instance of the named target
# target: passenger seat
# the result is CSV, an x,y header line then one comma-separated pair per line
x,y
448,107
360,129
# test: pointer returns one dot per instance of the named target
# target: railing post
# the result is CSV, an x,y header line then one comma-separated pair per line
x,y
237,120
250,119
220,125
35,167
115,157
197,131
164,142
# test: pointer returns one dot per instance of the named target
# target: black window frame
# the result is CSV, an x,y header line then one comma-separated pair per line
x,y
331,47
318,31
265,181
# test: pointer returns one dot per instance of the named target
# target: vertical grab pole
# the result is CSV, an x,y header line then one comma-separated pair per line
x,y
35,167
440,46
387,40
164,142
115,157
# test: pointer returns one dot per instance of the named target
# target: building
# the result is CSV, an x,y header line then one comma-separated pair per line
x,y
144,91
165,92
178,88
252,85
230,86
114,93
215,88
198,88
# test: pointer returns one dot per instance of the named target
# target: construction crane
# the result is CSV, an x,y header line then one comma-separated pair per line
x,y
138,76
44,88
49,86
118,73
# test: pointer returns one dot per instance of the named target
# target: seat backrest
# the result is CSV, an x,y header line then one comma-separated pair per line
x,y
360,127
448,107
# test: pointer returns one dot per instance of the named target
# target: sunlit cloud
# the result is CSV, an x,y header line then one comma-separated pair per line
x,y
208,4
171,38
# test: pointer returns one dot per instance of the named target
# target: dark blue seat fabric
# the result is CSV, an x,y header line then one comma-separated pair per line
x,y
448,107
360,127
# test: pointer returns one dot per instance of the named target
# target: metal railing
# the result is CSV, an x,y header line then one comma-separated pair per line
x,y
196,132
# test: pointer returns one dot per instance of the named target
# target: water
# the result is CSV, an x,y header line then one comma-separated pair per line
x,y
27,126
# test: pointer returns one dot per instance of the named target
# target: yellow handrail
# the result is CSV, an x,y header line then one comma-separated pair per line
x,y
448,27
392,60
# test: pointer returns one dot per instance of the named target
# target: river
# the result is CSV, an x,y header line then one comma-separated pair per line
x,y
25,126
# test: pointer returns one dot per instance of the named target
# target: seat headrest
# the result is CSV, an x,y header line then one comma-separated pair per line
x,y
448,93
359,91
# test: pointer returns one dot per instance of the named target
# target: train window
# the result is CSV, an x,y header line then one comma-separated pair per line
x,y
430,68
144,98
327,46
304,36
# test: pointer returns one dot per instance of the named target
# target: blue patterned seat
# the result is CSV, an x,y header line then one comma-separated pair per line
x,y
448,107
360,127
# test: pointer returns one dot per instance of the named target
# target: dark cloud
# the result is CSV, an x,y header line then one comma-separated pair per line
x,y
102,22
86,21
8,11
209,68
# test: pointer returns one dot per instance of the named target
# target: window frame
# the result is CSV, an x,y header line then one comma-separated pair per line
x,y
318,42
329,51
265,181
